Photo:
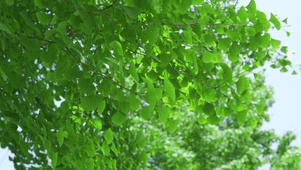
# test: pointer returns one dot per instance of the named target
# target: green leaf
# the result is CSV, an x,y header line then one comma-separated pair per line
x,y
97,123
260,107
242,84
165,59
173,125
90,150
288,33
61,134
54,159
208,109
265,40
275,21
242,14
151,35
134,102
197,2
163,113
117,47
183,8
223,111
87,20
28,21
105,148
86,85
131,12
3,75
251,7
91,102
275,44
39,4
187,37
101,107
133,71
3,27
255,42
209,39
208,8
108,135
118,119
169,88
114,149
241,117
9,2
234,52
43,18
209,94
224,44
285,21
227,72
2,44
247,97
89,164
207,57
262,18
202,120
213,119
146,112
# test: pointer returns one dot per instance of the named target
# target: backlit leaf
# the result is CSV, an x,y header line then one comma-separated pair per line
x,y
173,125
184,6
224,44
227,72
169,88
213,119
114,149
275,21
163,114
108,135
105,148
233,52
118,119
260,106
202,120
117,47
207,57
242,84
251,6
241,117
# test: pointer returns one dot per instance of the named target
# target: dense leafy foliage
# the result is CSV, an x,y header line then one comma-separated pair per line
x,y
131,84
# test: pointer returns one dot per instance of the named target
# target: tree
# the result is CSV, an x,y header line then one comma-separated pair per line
x,y
85,83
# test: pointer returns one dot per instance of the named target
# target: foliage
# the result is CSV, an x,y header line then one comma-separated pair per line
x,y
131,84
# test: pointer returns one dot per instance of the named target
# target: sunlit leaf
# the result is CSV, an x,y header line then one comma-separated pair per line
x,y
169,88
241,116
275,21
242,84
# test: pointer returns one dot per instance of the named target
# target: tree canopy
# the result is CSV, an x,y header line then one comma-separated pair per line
x,y
131,84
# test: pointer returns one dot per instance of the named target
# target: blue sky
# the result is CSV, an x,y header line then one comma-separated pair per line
x,y
286,112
